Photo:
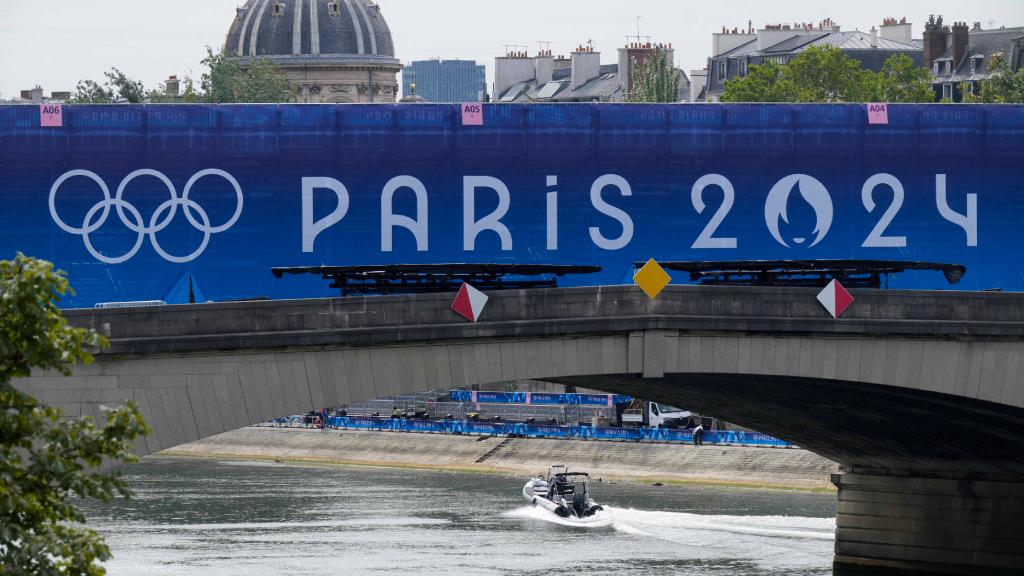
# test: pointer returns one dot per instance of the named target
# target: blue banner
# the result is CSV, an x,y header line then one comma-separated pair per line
x,y
520,429
547,399
538,398
139,202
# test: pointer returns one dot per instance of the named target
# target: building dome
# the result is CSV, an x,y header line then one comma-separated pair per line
x,y
316,42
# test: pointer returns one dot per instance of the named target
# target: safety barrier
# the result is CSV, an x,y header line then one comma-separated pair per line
x,y
519,429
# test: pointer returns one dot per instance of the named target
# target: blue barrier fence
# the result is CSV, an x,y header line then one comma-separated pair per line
x,y
729,437
634,181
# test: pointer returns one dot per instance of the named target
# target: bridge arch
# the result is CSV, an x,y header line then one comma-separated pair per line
x,y
917,395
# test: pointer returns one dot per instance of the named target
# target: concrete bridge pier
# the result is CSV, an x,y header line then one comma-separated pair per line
x,y
906,524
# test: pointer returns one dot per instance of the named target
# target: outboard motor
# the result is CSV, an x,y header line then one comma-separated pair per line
x,y
579,504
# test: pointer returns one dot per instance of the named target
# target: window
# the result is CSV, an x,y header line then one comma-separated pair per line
x,y
947,91
743,67
949,66
935,68
723,69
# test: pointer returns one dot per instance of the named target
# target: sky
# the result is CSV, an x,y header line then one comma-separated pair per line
x,y
56,43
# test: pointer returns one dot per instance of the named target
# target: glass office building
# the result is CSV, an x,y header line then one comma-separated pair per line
x,y
446,80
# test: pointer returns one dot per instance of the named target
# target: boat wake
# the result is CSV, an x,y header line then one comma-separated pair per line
x,y
599,520
679,526
669,524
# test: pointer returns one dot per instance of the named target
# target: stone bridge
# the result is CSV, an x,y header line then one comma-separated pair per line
x,y
919,395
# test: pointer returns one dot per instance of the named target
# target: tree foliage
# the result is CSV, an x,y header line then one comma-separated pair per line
x,y
224,81
1005,87
188,93
826,74
654,79
764,83
901,81
45,460
118,86
227,81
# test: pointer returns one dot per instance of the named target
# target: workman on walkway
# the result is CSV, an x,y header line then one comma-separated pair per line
x,y
698,435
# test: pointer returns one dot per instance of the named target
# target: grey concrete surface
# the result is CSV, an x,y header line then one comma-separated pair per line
x,y
629,461
925,384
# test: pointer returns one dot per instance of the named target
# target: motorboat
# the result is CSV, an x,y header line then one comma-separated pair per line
x,y
565,494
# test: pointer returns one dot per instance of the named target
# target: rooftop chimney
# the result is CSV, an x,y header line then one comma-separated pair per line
x,y
586,66
897,30
722,42
544,65
172,86
874,37
514,68
935,35
961,40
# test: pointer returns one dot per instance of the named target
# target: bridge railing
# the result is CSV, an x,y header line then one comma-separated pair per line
x,y
518,429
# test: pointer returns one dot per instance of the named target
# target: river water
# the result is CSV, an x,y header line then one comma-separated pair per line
x,y
255,519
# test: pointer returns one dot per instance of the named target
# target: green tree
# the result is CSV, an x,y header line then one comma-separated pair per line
x,y
1005,87
187,95
654,79
45,460
91,92
901,81
227,81
764,83
826,74
117,86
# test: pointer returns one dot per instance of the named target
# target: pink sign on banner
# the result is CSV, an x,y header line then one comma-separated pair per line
x,y
51,116
878,114
473,114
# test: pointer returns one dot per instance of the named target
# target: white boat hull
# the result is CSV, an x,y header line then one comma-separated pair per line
x,y
535,492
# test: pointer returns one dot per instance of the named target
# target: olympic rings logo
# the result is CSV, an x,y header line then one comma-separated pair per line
x,y
130,216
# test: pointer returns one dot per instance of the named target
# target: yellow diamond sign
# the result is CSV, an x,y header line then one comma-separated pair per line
x,y
652,279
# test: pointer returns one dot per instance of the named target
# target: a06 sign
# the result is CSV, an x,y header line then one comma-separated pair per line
x,y
51,115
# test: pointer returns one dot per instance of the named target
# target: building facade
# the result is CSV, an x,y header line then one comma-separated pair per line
x,y
330,50
961,58
582,77
735,51
446,80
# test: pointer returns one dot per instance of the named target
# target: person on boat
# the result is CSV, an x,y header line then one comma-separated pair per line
x,y
698,435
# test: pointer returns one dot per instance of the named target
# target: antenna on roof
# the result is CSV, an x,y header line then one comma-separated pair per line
x,y
516,50
638,39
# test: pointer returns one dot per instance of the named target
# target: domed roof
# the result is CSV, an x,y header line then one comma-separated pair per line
x,y
286,29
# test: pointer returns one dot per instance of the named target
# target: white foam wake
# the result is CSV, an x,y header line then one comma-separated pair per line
x,y
598,520
672,525
659,523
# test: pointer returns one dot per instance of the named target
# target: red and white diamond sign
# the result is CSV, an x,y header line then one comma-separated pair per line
x,y
835,299
469,303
